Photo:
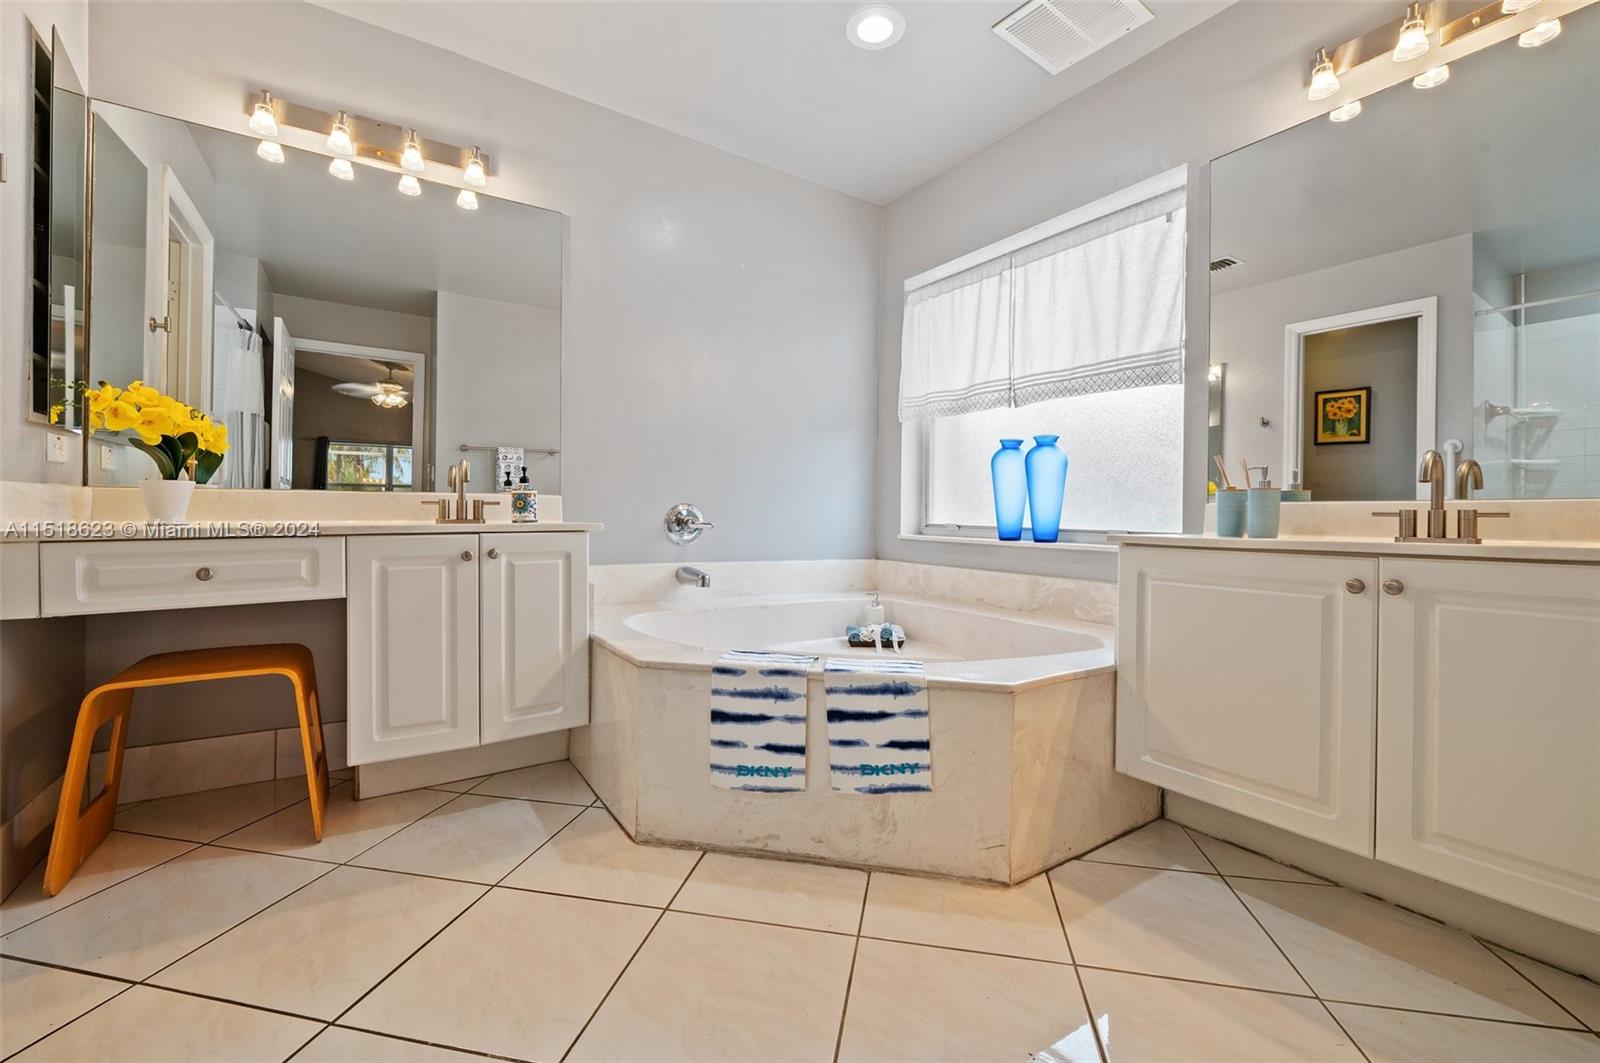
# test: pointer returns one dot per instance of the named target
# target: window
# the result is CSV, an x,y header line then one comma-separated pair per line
x,y
1074,328
367,466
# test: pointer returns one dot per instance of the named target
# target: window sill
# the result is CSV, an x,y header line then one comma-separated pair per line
x,y
1021,544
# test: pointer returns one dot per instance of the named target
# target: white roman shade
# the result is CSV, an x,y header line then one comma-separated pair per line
x,y
1092,303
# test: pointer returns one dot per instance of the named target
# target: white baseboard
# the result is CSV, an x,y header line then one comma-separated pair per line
x,y
1534,935
409,773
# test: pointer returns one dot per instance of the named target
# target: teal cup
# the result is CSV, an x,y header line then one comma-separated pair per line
x,y
1296,494
1231,512
1262,510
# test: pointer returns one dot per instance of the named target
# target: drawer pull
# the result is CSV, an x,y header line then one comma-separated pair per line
x,y
202,574
1393,586
466,555
494,553
1354,585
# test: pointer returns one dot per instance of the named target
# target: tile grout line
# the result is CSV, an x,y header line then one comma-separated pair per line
x,y
419,1041
192,847
1281,950
51,1033
849,979
1077,972
635,955
1529,979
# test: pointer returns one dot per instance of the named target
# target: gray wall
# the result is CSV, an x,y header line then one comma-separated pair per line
x,y
718,315
1382,357
1234,79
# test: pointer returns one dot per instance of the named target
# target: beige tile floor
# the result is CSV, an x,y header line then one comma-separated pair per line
x,y
510,917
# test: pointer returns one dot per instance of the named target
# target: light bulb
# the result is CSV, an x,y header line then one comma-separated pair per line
x,y
410,186
411,156
342,169
1413,40
467,200
1511,7
1434,75
339,141
1345,111
1548,30
875,26
473,173
1324,82
262,121
270,150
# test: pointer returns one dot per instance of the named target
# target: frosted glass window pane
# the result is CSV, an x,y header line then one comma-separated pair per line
x,y
1124,452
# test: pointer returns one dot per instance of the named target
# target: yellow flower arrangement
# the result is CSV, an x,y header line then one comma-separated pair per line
x,y
1341,409
178,437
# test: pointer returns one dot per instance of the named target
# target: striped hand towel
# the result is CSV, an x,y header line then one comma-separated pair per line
x,y
758,721
878,739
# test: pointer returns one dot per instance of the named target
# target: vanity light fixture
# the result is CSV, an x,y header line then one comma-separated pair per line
x,y
1511,7
472,172
1324,82
1434,75
270,150
339,141
342,169
875,27
411,154
1413,39
263,122
467,200
1548,30
1345,111
409,185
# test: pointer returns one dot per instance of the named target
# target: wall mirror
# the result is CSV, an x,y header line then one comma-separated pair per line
x,y
1424,275
350,336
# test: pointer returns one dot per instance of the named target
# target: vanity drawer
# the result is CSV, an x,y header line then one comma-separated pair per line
x,y
113,577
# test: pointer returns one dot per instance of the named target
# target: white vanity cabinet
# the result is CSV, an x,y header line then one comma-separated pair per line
x,y
1248,681
465,639
1489,730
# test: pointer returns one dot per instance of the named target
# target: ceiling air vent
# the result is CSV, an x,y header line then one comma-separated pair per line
x,y
1225,262
1057,33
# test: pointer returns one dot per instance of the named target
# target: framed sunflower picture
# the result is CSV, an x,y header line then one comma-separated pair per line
x,y
1344,416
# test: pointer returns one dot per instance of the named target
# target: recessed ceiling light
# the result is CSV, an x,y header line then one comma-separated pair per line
x,y
875,26
1434,75
1345,111
1548,30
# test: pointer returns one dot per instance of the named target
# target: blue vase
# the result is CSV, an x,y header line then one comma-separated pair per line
x,y
1047,486
1008,470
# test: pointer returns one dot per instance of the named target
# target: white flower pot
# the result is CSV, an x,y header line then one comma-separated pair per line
x,y
167,501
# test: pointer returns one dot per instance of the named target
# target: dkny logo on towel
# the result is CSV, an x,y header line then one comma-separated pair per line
x,y
762,771
892,769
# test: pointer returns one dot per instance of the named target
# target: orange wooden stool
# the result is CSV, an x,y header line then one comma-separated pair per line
x,y
80,827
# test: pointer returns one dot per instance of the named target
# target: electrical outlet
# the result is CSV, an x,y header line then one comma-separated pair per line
x,y
55,447
108,457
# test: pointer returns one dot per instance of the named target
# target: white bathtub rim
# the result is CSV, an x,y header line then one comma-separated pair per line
x,y
610,630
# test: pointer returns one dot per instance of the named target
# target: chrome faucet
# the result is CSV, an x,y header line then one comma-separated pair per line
x,y
1432,474
693,577
1469,475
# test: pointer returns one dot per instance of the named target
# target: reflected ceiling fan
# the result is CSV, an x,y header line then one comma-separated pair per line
x,y
385,393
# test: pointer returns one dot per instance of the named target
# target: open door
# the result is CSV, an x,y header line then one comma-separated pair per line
x,y
282,400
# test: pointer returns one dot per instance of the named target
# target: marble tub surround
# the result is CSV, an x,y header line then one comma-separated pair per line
x,y
621,584
1022,779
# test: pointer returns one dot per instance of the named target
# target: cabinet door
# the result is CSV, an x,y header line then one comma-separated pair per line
x,y
535,633
1489,726
1246,679
412,645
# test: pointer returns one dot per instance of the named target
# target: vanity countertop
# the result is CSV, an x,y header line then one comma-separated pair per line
x,y
93,530
1488,550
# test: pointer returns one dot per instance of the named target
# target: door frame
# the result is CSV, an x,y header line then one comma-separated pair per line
x,y
420,427
191,383
1426,312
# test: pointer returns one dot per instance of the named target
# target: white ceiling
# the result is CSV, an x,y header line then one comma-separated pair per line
x,y
777,82
1508,148
363,243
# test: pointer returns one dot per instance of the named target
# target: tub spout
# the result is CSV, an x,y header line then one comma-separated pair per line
x,y
693,577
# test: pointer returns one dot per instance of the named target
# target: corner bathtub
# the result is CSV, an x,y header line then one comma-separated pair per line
x,y
1020,708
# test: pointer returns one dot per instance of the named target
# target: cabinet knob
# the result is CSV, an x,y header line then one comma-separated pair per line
x,y
1354,585
1393,586
202,574
494,553
466,555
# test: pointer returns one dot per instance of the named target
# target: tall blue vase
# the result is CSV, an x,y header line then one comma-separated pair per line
x,y
1047,486
1008,470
